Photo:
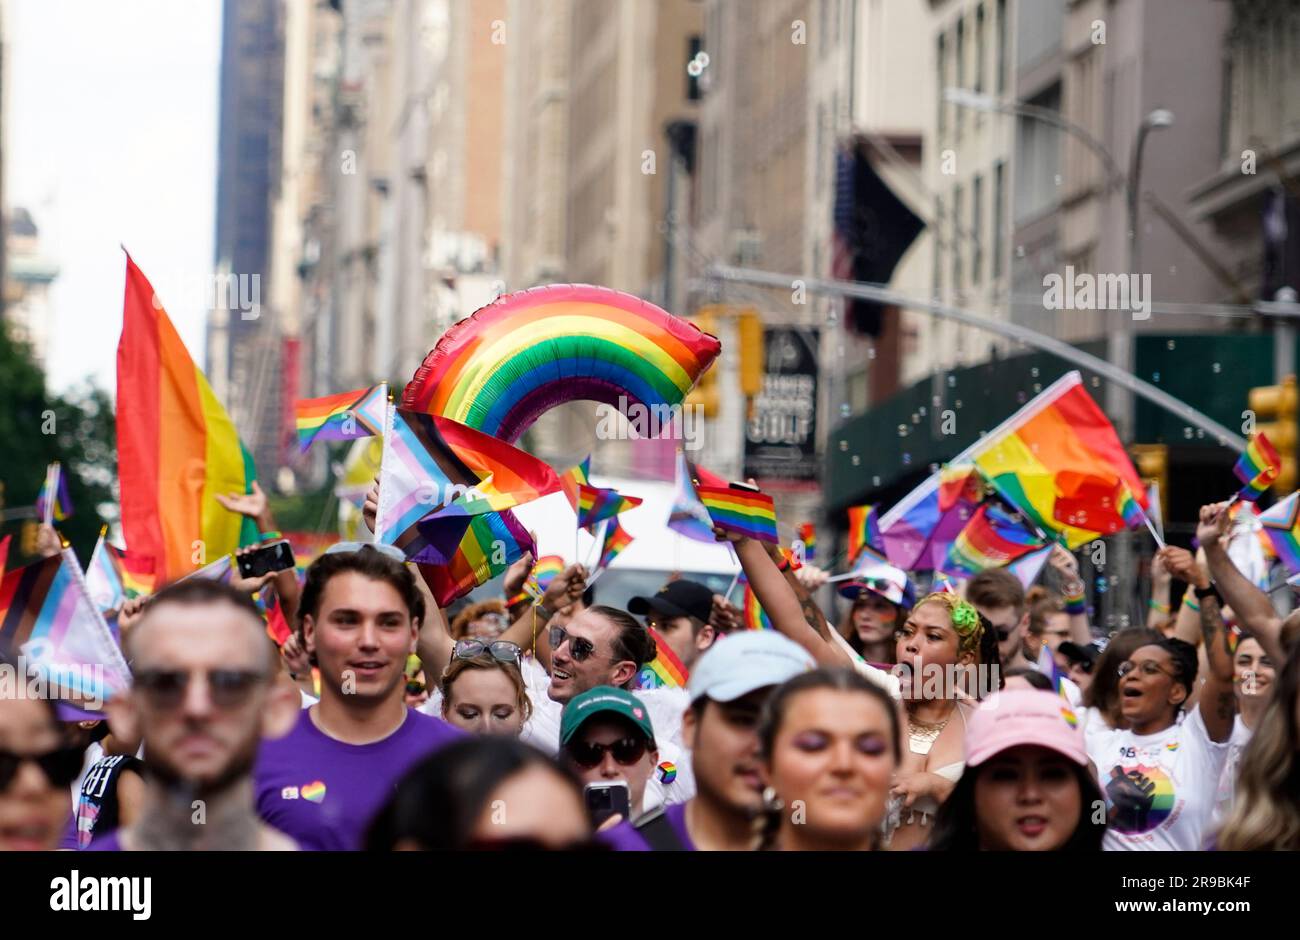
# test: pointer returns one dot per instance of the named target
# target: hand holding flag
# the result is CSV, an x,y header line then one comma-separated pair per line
x,y
1257,467
743,512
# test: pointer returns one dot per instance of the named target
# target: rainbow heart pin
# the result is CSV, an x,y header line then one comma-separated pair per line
x,y
314,791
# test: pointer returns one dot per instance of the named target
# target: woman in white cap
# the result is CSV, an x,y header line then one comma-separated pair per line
x,y
1027,786
882,599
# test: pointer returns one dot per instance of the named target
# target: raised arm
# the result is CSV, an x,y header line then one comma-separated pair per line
x,y
1067,566
529,629
1251,605
779,600
1158,609
1218,703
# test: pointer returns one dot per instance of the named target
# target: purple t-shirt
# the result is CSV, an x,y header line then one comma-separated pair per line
x,y
323,793
624,838
108,842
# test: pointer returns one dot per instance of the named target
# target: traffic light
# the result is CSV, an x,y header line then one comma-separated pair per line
x,y
1152,461
1274,407
749,330
705,393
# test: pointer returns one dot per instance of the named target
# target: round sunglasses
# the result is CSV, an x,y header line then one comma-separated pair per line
x,y
626,751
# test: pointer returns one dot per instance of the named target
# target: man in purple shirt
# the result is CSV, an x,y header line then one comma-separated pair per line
x,y
203,695
322,783
727,688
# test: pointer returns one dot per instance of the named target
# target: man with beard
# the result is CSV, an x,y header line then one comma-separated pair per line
x,y
360,615
204,694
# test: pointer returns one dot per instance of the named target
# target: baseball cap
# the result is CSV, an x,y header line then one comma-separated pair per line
x,y
737,664
884,580
1085,653
604,700
678,598
1020,717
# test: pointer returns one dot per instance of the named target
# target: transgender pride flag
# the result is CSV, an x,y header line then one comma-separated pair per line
x,y
48,617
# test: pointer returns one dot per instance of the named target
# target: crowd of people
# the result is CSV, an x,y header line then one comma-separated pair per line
x,y
982,718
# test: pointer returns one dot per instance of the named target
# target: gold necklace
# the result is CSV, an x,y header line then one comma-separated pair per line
x,y
922,734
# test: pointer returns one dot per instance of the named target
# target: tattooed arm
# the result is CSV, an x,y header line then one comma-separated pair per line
x,y
811,612
1218,703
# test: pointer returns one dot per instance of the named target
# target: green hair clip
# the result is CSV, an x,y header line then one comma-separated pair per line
x,y
965,619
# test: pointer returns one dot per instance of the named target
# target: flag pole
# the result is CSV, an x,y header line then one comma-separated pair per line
x,y
388,439
51,492
736,577
1154,534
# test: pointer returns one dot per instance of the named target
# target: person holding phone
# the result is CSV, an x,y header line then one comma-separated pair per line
x,y
609,743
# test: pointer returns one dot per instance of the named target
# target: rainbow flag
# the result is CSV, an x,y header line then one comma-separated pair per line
x,y
573,478
48,617
1103,504
665,671
688,516
864,530
341,417
1281,523
1030,565
596,504
958,483
808,535
1257,468
1048,667
744,512
1061,430
176,446
492,543
437,472
991,539
752,615
616,539
544,572
53,502
277,625
136,573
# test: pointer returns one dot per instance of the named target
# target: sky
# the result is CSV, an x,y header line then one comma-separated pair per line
x,y
110,139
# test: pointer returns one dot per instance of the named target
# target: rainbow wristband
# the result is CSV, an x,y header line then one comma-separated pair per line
x,y
1076,605
1156,605
1192,605
521,598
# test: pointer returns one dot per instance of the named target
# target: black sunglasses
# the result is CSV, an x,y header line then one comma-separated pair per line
x,y
503,651
626,751
229,688
61,766
580,649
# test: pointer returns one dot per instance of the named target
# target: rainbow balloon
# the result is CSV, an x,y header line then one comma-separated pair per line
x,y
501,368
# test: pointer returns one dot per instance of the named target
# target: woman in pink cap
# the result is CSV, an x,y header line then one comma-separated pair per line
x,y
1027,786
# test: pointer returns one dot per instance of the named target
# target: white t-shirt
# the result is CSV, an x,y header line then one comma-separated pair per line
x,y
674,783
1241,736
1160,788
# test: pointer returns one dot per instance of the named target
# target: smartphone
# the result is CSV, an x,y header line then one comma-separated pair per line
x,y
273,556
606,799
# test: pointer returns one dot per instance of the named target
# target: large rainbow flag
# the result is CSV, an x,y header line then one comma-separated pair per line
x,y
752,615
341,417
176,446
492,543
48,616
1062,430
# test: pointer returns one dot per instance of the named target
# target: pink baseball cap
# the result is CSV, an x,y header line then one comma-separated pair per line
x,y
1021,717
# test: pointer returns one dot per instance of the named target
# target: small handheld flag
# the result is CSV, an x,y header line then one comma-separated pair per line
x,y
53,503
1257,468
745,512
1281,523
341,417
864,530
808,535
596,504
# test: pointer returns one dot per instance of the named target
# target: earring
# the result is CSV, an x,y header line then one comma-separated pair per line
x,y
771,801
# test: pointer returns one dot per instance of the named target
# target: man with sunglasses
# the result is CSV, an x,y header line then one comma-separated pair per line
x,y
1000,597
359,614
727,691
204,695
606,735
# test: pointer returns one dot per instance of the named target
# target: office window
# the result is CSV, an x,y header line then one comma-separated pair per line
x,y
959,68
999,220
938,244
1002,48
943,110
958,238
979,48
976,224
